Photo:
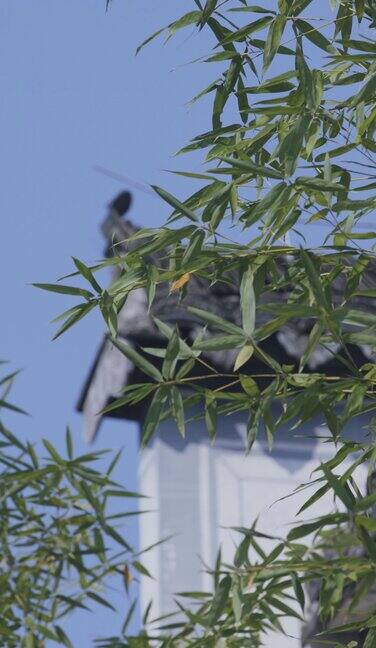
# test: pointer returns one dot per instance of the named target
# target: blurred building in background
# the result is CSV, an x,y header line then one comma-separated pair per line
x,y
199,490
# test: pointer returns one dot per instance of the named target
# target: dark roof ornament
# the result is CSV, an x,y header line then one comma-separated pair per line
x,y
121,203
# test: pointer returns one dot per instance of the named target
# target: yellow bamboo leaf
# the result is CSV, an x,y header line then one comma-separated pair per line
x,y
179,283
128,576
250,582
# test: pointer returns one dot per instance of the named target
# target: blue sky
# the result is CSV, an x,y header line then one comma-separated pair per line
x,y
75,96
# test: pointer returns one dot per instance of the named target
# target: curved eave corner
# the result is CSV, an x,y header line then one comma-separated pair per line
x,y
110,373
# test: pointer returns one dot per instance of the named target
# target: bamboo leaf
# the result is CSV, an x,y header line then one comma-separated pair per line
x,y
209,8
211,413
315,36
220,600
76,314
178,409
273,41
87,274
64,290
248,302
175,203
144,365
171,356
243,356
216,321
153,416
250,167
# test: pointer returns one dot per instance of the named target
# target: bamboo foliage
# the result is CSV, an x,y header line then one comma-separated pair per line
x,y
60,547
291,144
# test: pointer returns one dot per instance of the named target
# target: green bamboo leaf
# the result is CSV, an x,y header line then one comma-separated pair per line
x,y
137,359
270,201
13,408
129,616
250,167
69,444
268,359
367,541
362,45
87,274
167,331
314,498
284,608
135,394
313,340
336,152
367,522
30,641
232,74
341,490
210,88
241,554
220,100
248,302
252,9
310,527
53,452
64,290
236,600
175,203
153,415
243,356
319,183
305,77
221,33
298,590
314,279
270,88
249,385
116,536
253,424
242,100
275,553
190,18
216,321
220,600
367,93
178,409
243,33
185,368
291,146
172,353
315,36
355,401
63,638
194,247
219,342
211,413
80,311
355,206
99,599
366,502
149,39
273,41
141,568
209,8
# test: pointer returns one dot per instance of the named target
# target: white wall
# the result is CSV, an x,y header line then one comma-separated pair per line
x,y
199,490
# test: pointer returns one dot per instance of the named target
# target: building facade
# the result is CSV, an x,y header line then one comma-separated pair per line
x,y
200,491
